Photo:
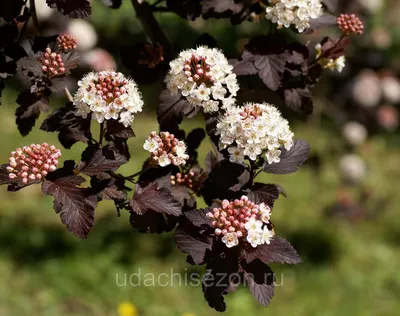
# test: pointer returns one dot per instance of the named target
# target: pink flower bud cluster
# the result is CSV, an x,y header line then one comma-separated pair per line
x,y
152,55
198,71
66,43
165,149
241,218
32,163
350,24
193,179
52,63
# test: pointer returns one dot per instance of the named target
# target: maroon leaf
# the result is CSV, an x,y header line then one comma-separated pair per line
x,y
150,198
291,159
279,250
77,9
225,181
116,129
100,160
172,109
270,69
195,247
265,193
198,217
31,105
299,100
260,281
73,203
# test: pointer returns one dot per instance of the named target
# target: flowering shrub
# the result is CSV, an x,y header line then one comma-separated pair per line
x,y
233,236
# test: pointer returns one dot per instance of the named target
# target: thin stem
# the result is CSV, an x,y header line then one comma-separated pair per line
x,y
32,8
68,95
137,173
151,27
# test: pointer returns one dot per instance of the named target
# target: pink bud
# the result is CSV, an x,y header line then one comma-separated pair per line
x,y
25,180
231,229
52,168
32,177
12,175
224,232
218,231
239,234
38,176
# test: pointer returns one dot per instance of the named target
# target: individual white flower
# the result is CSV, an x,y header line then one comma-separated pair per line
x,y
252,130
151,145
254,238
253,225
230,240
294,12
236,154
265,212
202,75
108,95
164,160
355,133
266,236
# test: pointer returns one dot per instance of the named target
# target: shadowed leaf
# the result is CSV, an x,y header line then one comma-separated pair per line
x,y
291,159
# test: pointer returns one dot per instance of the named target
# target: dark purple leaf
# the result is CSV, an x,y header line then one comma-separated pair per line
x,y
30,107
220,271
154,223
265,193
76,9
116,129
9,10
151,199
260,281
198,217
172,109
71,128
73,203
270,69
291,159
195,247
98,160
299,100
279,251
225,181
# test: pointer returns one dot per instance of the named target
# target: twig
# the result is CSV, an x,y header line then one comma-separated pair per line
x,y
68,95
32,9
151,27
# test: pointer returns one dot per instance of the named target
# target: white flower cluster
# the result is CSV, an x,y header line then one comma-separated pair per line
x,y
108,95
294,12
332,64
254,129
204,77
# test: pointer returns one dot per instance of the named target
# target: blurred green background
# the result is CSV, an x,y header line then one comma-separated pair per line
x,y
350,264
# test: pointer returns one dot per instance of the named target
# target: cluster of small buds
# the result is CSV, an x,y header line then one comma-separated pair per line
x,y
337,64
204,77
193,179
294,12
33,163
66,43
242,218
151,55
254,129
165,149
108,95
52,63
350,24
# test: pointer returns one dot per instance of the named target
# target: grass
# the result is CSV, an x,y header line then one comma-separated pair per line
x,y
350,268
